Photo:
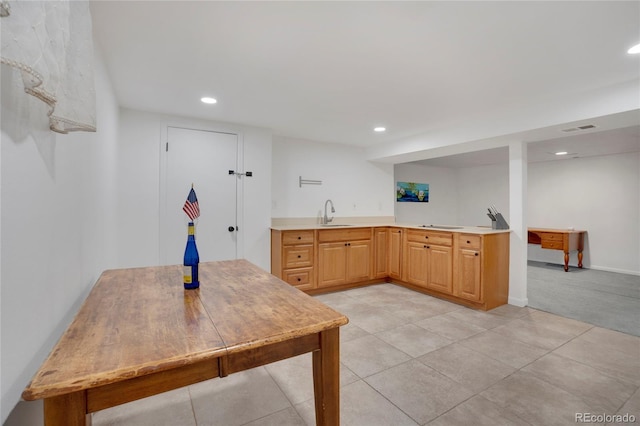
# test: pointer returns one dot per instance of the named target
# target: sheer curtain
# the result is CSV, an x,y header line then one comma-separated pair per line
x,y
50,42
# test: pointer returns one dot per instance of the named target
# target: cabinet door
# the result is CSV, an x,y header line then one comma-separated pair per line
x,y
417,263
394,254
469,275
440,269
332,264
358,261
381,238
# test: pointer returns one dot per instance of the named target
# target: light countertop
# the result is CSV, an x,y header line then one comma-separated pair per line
x,y
339,225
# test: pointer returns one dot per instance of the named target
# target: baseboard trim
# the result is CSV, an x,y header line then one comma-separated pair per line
x,y
616,270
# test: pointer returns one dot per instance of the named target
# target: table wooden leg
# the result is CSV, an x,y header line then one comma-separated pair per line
x,y
326,378
67,410
580,259
566,261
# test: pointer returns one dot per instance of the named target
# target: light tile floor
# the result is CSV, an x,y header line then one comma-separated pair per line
x,y
410,359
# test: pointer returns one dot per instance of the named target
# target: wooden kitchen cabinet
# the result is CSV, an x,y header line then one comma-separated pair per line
x,y
344,256
292,257
381,244
482,269
416,263
395,253
467,268
429,260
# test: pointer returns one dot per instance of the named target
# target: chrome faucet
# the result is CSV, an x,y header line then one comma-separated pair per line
x,y
326,219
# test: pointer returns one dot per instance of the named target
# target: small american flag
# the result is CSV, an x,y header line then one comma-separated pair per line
x,y
191,207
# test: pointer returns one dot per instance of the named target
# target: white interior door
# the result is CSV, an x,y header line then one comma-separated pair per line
x,y
202,158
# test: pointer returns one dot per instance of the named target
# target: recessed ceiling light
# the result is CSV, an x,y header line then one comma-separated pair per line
x,y
634,49
207,100
561,153
379,129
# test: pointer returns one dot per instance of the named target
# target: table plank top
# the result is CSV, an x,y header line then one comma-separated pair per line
x,y
141,320
252,308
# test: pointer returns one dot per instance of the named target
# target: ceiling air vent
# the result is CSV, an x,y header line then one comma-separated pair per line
x,y
579,128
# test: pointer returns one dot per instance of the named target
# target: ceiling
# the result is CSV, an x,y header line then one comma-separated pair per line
x,y
331,71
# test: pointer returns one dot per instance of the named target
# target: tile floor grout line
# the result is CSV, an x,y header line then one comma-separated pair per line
x,y
387,399
193,409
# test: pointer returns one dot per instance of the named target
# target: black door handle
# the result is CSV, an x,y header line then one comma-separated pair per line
x,y
232,228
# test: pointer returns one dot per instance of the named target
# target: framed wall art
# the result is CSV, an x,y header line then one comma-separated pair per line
x,y
412,192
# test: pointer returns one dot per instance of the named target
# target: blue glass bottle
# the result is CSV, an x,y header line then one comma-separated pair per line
x,y
191,260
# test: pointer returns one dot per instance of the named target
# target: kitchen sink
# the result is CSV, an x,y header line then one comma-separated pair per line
x,y
441,226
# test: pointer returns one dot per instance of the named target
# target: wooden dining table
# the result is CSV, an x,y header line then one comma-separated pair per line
x,y
139,333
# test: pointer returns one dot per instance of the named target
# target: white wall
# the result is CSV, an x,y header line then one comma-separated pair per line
x,y
58,228
597,194
458,196
480,187
139,150
356,186
442,207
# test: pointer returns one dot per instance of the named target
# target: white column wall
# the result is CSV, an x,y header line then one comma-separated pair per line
x,y
518,223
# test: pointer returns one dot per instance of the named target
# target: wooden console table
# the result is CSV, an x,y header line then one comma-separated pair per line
x,y
559,239
139,333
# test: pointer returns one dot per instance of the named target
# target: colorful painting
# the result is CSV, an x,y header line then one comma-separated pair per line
x,y
412,192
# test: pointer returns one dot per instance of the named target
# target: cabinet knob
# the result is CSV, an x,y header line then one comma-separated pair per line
x,y
299,256
428,246
299,238
468,242
426,236
475,254
299,280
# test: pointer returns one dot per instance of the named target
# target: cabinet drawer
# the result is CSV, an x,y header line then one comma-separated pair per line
x,y
551,237
296,256
551,244
298,277
297,237
437,238
469,241
334,235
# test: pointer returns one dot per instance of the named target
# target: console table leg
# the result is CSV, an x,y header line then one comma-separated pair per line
x,y
566,261
580,259
326,379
